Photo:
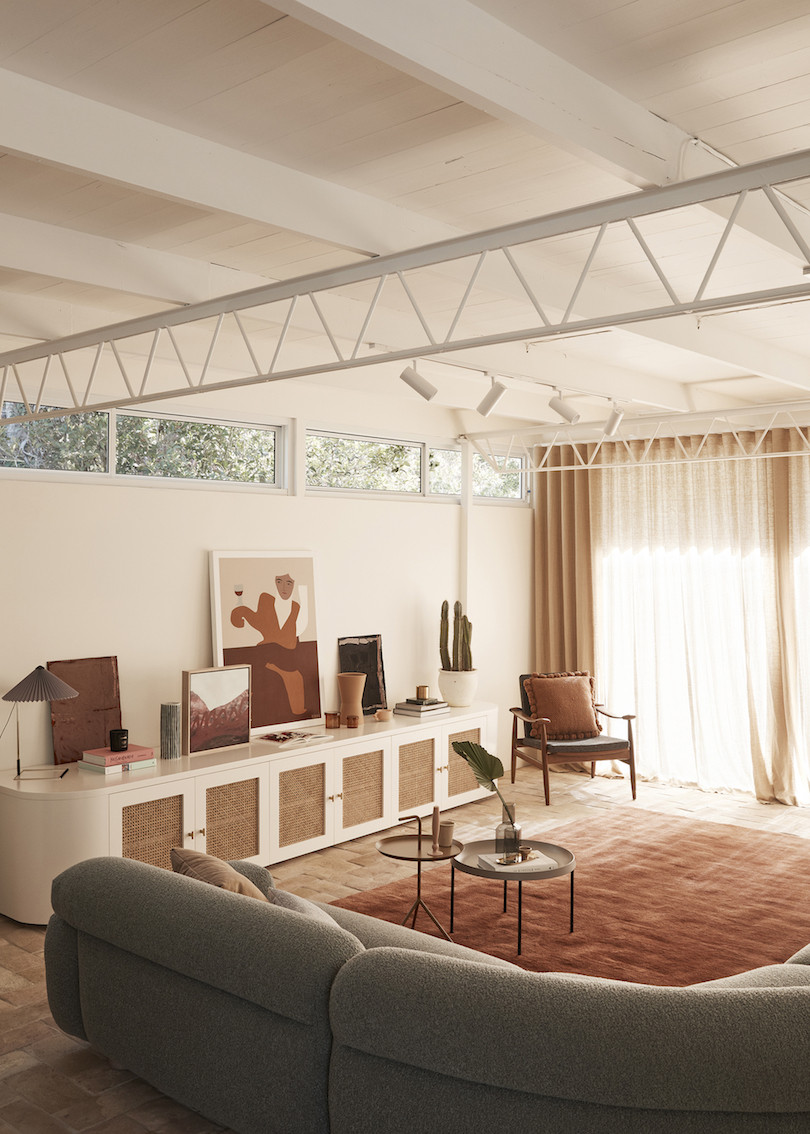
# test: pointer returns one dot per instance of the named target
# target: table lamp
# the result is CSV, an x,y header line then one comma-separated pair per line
x,y
39,685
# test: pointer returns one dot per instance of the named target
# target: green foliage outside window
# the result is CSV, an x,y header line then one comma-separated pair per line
x,y
74,443
506,485
197,450
372,466
444,476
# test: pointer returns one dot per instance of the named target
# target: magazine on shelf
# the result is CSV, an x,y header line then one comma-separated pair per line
x,y
538,861
289,737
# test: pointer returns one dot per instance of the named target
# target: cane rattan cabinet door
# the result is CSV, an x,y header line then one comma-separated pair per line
x,y
146,822
459,785
363,796
300,812
416,759
233,814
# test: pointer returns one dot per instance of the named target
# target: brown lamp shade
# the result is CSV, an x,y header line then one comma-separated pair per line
x,y
41,685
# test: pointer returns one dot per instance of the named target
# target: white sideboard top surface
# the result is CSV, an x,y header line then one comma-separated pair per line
x,y
78,781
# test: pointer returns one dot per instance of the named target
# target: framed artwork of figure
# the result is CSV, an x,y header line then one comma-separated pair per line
x,y
263,615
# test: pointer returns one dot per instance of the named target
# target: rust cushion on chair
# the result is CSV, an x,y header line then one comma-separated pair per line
x,y
567,699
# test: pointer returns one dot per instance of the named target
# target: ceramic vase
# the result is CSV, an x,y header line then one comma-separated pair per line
x,y
351,686
170,730
458,686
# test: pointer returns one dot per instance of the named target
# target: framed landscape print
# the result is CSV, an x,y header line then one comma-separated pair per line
x,y
216,708
263,615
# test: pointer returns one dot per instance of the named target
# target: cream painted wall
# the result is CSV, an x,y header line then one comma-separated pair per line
x,y
102,568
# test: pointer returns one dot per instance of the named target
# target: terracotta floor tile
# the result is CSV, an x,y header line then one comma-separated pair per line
x,y
24,1117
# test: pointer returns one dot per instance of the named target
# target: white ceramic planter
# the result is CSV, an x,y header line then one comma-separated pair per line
x,y
458,686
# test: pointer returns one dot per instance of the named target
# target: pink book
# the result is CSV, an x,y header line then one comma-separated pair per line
x,y
108,758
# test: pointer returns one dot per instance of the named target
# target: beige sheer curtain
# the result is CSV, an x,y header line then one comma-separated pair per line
x,y
564,638
701,595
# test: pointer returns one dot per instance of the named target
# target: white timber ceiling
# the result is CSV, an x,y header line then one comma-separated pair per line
x,y
156,154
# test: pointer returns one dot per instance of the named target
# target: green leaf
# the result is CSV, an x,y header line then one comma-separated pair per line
x,y
486,767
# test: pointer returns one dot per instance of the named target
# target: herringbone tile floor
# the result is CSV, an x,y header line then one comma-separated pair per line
x,y
52,1084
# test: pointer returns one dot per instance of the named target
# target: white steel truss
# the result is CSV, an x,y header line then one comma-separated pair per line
x,y
293,329
585,447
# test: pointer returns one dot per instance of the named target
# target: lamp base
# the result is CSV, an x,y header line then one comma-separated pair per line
x,y
42,772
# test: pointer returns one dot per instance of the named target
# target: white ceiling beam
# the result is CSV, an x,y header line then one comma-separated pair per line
x,y
66,254
708,338
49,124
463,50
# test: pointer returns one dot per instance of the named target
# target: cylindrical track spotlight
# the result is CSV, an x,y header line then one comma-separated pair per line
x,y
416,382
614,421
565,410
491,398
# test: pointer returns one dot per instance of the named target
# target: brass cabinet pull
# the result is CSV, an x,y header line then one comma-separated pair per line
x,y
201,831
339,795
331,798
189,835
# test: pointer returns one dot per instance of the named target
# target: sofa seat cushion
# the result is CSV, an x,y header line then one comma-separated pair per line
x,y
576,748
374,933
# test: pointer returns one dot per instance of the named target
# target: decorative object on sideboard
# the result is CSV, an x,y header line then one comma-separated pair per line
x,y
119,739
263,612
85,721
363,654
383,715
458,680
216,708
170,730
487,769
39,685
332,720
351,686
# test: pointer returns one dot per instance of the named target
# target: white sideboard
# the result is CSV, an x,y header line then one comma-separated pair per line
x,y
261,802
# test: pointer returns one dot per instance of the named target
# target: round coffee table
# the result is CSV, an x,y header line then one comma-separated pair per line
x,y
419,849
467,861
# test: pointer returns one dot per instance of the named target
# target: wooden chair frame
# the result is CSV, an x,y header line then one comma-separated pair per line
x,y
542,758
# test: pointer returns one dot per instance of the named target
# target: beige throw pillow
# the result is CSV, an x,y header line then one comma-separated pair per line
x,y
208,868
567,699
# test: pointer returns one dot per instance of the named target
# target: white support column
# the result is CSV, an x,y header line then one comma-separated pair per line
x,y
464,521
296,457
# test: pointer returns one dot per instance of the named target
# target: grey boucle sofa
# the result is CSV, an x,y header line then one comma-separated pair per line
x,y
270,1021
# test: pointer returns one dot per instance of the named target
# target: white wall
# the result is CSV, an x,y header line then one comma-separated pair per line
x,y
92,569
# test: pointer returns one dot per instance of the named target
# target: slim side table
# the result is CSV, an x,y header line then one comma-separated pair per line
x,y
468,863
418,849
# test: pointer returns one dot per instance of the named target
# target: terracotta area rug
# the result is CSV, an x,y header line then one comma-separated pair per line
x,y
658,900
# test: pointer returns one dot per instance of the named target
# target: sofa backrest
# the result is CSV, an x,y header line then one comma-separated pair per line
x,y
588,1051
214,998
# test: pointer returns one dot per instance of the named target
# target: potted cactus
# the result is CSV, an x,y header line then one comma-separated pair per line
x,y
457,678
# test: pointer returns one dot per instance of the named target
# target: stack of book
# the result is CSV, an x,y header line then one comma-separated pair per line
x,y
104,760
421,707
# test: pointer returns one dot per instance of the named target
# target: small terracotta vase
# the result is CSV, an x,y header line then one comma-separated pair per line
x,y
351,686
